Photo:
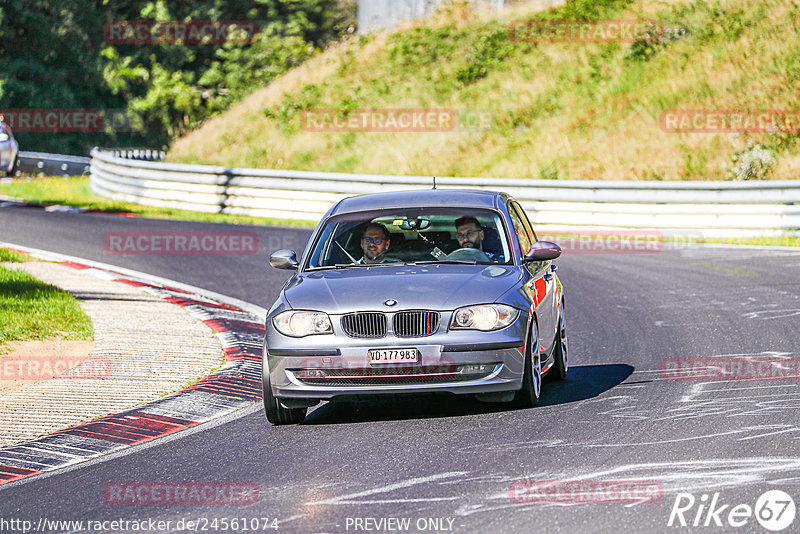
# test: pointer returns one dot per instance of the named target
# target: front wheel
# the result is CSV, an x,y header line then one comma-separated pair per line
x,y
531,390
277,414
14,167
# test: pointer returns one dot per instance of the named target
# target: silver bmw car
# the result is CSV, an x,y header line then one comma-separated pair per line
x,y
415,292
9,149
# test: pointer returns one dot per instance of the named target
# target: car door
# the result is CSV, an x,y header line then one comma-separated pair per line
x,y
542,285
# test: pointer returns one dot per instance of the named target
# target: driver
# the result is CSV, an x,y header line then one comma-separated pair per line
x,y
470,235
375,243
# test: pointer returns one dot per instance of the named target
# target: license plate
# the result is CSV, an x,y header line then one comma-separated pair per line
x,y
393,356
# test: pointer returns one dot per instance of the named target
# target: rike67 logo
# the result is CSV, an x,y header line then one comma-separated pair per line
x,y
774,510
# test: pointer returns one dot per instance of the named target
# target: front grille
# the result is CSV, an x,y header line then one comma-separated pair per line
x,y
415,323
364,324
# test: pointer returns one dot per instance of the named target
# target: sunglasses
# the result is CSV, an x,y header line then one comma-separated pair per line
x,y
468,234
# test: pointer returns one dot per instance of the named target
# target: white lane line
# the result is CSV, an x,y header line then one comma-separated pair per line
x,y
711,401
677,440
793,429
742,389
345,499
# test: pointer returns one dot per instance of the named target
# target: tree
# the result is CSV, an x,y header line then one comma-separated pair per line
x,y
58,54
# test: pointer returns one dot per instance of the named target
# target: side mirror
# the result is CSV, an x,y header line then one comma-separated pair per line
x,y
284,259
542,251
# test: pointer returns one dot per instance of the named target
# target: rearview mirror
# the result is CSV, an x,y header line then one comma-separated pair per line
x,y
542,251
284,259
415,224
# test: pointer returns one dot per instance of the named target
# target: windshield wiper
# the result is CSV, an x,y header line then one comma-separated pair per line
x,y
337,266
431,262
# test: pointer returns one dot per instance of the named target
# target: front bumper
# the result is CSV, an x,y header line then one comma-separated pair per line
x,y
493,364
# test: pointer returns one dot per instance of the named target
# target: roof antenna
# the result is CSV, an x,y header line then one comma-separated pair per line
x,y
434,182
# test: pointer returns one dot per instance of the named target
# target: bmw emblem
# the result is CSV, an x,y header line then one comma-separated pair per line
x,y
390,302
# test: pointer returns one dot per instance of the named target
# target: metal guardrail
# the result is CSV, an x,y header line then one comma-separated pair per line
x,y
63,165
53,164
385,14
142,154
704,208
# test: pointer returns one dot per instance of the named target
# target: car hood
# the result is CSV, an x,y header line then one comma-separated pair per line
x,y
436,287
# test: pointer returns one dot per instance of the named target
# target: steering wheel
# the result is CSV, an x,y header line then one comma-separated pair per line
x,y
468,254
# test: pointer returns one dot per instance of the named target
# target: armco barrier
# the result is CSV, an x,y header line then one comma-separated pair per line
x,y
700,208
53,164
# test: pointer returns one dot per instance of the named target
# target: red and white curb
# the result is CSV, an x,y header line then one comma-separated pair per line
x,y
233,386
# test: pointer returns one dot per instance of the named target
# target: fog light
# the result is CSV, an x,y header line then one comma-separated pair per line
x,y
475,369
310,373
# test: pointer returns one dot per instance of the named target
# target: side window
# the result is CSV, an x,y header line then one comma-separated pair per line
x,y
519,230
525,222
519,218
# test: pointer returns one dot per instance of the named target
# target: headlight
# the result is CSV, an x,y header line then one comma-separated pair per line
x,y
484,317
302,323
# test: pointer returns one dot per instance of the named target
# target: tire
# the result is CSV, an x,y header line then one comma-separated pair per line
x,y
560,354
14,167
528,396
277,414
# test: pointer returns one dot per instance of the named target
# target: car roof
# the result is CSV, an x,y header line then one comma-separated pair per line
x,y
422,198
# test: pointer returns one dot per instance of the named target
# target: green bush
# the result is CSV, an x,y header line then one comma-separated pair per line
x,y
303,99
55,55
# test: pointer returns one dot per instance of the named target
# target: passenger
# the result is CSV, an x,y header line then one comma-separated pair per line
x,y
470,235
375,243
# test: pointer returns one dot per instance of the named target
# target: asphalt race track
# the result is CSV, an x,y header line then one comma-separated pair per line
x,y
448,464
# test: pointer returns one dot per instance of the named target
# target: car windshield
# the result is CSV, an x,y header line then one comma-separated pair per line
x,y
429,235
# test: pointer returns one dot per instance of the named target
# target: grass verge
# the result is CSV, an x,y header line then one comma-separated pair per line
x,y
34,310
75,191
9,256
